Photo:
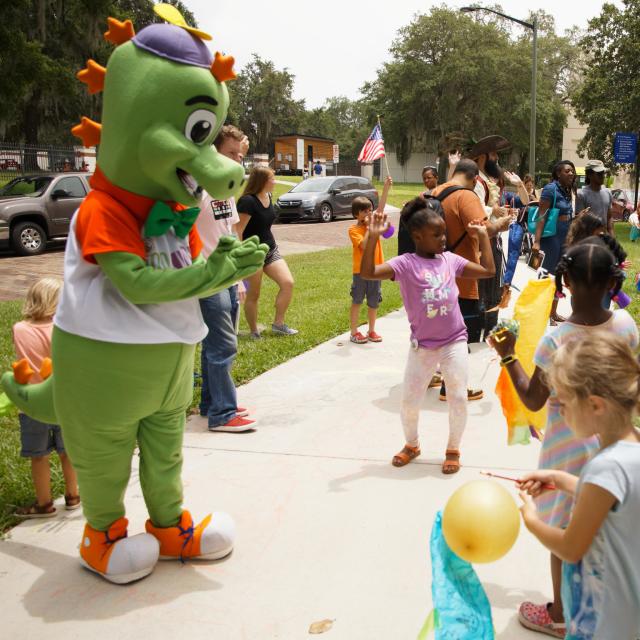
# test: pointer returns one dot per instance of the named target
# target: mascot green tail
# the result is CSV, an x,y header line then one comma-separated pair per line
x,y
36,400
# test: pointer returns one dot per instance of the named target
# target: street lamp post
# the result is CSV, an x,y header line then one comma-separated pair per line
x,y
534,77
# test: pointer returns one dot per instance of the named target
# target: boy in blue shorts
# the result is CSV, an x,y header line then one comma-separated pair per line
x,y
361,208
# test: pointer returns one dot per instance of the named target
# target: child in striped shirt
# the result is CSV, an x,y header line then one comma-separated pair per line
x,y
590,268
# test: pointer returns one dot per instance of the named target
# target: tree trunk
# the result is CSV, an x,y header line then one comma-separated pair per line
x,y
41,12
31,125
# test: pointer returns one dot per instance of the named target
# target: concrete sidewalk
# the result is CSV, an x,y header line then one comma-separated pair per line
x,y
327,528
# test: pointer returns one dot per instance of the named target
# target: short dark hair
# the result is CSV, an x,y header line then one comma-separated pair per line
x,y
468,167
431,168
417,213
360,204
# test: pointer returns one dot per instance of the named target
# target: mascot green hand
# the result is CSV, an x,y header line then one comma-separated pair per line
x,y
129,320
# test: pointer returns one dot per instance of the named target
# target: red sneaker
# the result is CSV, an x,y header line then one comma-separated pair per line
x,y
358,338
241,412
374,337
235,425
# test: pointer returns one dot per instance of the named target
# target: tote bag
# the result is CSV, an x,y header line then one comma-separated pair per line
x,y
550,218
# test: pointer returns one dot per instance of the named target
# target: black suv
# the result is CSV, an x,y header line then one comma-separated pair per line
x,y
323,198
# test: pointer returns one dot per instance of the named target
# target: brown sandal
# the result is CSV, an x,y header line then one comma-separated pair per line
x,y
405,456
451,463
36,510
71,502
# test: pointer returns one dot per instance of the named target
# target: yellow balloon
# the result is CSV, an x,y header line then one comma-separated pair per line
x,y
481,521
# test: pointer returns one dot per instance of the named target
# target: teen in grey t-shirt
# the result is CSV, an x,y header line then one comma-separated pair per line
x,y
598,201
594,195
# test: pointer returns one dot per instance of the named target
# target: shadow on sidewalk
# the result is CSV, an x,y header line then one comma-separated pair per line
x,y
422,468
502,598
431,402
66,591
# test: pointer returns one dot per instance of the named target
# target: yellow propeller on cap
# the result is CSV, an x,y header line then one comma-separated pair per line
x,y
169,13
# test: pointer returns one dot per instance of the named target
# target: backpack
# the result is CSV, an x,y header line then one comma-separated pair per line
x,y
405,242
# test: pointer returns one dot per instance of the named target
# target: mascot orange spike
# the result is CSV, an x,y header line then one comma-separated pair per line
x,y
119,32
88,131
93,76
222,68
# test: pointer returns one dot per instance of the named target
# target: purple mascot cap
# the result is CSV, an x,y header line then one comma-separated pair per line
x,y
174,43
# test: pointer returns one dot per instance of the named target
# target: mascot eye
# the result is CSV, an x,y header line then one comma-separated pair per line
x,y
200,125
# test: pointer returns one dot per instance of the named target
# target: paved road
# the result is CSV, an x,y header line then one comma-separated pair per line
x,y
17,273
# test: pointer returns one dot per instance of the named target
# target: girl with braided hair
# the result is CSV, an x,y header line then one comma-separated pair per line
x,y
587,225
590,269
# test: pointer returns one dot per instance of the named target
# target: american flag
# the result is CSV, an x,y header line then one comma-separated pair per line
x,y
373,147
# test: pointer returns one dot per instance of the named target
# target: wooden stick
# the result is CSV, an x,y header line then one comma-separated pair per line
x,y
386,163
548,487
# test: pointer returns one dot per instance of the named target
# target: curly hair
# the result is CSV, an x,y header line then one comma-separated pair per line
x,y
584,226
42,299
417,213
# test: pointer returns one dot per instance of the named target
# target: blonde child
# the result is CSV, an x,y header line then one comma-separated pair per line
x,y
597,384
32,341
361,210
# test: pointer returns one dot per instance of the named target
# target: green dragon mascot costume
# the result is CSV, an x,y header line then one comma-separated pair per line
x,y
128,319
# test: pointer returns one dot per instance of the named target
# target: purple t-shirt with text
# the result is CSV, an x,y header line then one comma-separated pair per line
x,y
430,296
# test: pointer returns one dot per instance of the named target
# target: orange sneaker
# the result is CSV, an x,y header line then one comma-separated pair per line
x,y
210,540
116,557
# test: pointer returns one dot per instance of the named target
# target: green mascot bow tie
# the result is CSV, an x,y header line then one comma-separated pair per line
x,y
162,218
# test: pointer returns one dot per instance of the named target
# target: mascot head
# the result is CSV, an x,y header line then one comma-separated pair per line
x,y
165,100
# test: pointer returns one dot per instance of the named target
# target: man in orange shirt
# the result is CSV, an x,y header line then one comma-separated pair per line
x,y
461,208
361,208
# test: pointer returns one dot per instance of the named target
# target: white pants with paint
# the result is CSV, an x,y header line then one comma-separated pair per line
x,y
421,365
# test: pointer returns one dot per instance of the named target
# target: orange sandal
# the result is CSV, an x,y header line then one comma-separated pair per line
x,y
451,462
405,456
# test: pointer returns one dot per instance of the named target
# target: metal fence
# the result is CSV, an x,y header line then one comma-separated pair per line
x,y
18,159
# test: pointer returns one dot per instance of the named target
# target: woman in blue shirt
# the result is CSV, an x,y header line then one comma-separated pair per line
x,y
558,194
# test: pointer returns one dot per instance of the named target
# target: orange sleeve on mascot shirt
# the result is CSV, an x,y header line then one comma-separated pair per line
x,y
195,243
103,225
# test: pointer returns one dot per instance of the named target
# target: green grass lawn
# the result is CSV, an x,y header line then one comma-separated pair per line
x,y
283,188
320,310
401,192
633,254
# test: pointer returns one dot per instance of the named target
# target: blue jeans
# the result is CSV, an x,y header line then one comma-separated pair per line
x,y
218,400
553,246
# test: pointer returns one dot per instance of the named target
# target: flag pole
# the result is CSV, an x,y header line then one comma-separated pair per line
x,y
386,163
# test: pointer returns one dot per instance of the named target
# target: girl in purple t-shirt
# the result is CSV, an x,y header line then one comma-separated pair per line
x,y
427,280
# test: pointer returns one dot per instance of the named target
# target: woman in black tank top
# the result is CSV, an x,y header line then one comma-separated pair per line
x,y
256,218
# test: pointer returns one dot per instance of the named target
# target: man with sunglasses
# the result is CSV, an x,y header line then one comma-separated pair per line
x,y
596,197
